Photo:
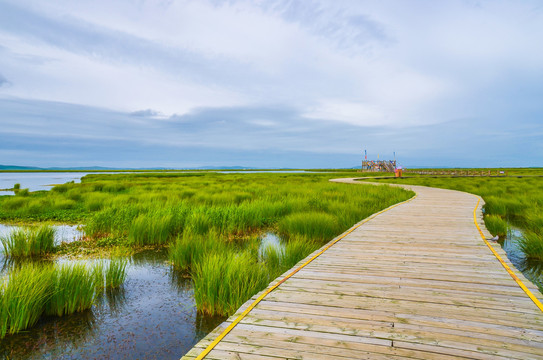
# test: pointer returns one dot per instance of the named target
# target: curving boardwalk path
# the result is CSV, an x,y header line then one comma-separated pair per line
x,y
416,281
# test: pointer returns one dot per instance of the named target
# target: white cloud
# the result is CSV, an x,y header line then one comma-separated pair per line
x,y
349,112
365,63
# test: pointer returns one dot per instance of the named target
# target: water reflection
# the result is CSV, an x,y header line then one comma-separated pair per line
x,y
52,337
8,264
180,280
270,240
115,299
532,270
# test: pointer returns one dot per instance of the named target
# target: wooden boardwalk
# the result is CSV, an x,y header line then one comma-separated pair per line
x,y
416,281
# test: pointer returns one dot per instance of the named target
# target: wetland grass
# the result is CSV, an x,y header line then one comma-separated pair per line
x,y
151,230
223,282
73,289
23,295
311,225
272,256
29,241
32,290
191,248
532,245
115,274
297,249
496,225
204,218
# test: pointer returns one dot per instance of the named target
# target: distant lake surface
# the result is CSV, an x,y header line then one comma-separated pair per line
x,y
35,181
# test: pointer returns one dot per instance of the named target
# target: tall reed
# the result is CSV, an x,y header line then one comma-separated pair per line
x,y
29,241
223,282
191,248
297,249
151,230
532,246
496,225
311,225
32,290
73,289
115,274
24,293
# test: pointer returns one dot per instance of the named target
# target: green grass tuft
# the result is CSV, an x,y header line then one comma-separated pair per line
x,y
311,225
223,282
532,246
73,289
23,295
151,230
496,225
191,248
29,241
33,290
296,250
115,273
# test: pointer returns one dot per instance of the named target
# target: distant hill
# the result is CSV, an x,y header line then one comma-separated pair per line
x,y
223,168
101,168
14,167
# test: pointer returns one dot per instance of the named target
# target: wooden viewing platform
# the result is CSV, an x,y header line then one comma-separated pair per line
x,y
416,281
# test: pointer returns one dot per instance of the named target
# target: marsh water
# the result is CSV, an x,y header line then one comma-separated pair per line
x,y
533,271
35,181
152,316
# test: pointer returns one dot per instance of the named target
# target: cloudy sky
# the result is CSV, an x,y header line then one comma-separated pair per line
x,y
270,83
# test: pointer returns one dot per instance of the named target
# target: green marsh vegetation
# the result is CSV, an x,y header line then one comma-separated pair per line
x,y
210,222
515,201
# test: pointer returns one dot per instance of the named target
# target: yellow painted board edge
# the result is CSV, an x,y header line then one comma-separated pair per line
x,y
515,277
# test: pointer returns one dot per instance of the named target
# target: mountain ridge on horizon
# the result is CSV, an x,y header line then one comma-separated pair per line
x,y
104,168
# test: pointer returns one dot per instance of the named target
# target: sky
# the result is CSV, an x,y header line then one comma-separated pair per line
x,y
271,83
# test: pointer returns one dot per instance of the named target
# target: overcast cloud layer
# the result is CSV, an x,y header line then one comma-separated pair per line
x,y
271,83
